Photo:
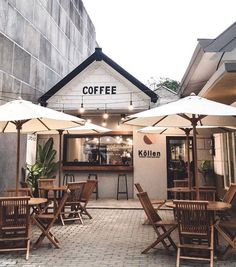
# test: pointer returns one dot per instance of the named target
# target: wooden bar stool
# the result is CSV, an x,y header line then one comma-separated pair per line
x,y
95,177
68,178
124,177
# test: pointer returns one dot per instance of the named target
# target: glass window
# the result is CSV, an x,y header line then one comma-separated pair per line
x,y
229,158
98,150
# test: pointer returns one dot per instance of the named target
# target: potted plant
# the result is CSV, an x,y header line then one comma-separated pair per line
x,y
205,168
45,165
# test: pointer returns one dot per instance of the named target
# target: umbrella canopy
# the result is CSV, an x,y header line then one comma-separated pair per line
x,y
24,116
180,113
189,111
88,128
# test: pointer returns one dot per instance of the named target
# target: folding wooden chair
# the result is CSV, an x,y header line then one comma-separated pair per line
x,y
206,194
45,222
15,227
71,210
228,198
45,194
11,192
159,202
227,229
44,183
159,226
89,187
196,231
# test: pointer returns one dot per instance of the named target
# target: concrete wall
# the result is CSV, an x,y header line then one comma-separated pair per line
x,y
40,42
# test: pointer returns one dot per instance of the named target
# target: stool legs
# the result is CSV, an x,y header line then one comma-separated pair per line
x,y
68,177
126,186
96,178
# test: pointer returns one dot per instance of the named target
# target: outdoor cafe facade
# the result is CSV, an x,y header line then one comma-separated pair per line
x,y
102,92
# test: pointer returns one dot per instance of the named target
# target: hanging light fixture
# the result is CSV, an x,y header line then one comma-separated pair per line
x,y
105,114
82,109
122,117
104,123
131,107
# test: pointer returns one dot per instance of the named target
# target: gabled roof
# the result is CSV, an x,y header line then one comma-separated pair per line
x,y
98,55
225,42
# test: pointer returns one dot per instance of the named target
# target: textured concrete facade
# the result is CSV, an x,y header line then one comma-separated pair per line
x,y
40,42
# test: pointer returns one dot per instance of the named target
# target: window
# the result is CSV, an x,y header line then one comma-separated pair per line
x,y
98,150
229,153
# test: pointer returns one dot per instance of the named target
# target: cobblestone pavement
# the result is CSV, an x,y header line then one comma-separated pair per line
x,y
113,238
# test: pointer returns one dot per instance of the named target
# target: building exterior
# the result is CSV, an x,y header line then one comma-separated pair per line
x,y
40,42
212,74
47,54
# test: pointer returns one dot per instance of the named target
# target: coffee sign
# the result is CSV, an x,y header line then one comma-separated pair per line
x,y
99,90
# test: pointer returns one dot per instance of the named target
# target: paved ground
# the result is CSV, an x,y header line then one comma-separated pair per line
x,y
113,238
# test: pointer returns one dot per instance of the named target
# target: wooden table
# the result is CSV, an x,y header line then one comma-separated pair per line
x,y
35,203
212,205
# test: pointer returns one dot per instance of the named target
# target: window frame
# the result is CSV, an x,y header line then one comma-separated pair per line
x,y
66,137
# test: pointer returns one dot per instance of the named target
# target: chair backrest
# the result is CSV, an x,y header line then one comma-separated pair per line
x,y
44,183
207,194
11,192
76,189
25,185
180,183
14,214
230,194
139,187
193,217
88,190
151,213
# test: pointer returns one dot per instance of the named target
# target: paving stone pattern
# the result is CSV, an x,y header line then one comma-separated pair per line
x,y
113,238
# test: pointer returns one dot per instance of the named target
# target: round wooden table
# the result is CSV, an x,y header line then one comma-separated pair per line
x,y
37,201
212,205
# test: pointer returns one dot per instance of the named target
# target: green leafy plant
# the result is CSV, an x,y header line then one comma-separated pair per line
x,y
205,166
45,165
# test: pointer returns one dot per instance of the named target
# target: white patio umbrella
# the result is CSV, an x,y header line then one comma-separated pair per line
x,y
87,128
185,112
24,116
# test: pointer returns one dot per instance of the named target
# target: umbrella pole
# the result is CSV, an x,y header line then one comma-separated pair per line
x,y
188,159
60,142
194,124
18,127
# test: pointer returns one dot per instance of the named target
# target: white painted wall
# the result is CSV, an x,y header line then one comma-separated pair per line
x,y
151,173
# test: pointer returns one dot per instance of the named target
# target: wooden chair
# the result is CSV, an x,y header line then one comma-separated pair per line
x,y
46,194
196,231
228,198
11,192
45,222
227,229
25,185
71,210
159,202
159,226
44,183
206,194
180,183
15,227
88,189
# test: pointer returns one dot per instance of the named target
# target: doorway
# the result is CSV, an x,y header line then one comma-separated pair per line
x,y
177,158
